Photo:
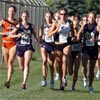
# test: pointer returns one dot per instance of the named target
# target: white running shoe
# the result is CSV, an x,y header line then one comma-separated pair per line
x,y
64,82
84,82
43,83
57,77
98,75
90,89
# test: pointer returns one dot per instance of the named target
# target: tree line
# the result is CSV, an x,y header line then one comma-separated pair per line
x,y
79,7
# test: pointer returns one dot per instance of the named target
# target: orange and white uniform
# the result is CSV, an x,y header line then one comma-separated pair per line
x,y
8,42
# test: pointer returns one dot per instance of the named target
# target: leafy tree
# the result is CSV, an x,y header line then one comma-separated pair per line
x,y
93,5
49,2
75,6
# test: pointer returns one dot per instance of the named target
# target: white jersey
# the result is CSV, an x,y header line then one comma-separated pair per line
x,y
63,32
99,38
46,28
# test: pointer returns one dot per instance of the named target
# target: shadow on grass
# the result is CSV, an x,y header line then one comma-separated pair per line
x,y
80,91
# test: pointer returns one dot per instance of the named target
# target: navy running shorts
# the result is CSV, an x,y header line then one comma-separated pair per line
x,y
91,51
48,46
20,50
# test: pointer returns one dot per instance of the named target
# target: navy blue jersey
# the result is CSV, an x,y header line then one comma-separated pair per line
x,y
26,38
90,47
88,34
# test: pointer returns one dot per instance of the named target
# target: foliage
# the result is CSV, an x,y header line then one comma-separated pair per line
x,y
93,5
75,6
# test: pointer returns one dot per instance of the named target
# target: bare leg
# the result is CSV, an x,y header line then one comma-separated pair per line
x,y
27,59
12,54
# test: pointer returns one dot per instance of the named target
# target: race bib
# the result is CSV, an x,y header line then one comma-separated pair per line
x,y
90,43
63,33
25,38
63,37
75,47
99,38
99,43
51,39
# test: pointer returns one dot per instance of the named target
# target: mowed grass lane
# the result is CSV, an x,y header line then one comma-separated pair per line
x,y
34,90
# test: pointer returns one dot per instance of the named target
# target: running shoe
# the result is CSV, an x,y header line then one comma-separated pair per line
x,y
64,82
24,86
73,88
52,84
90,89
61,87
57,77
43,83
84,82
98,75
7,84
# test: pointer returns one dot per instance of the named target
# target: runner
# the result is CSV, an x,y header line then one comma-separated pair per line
x,y
64,29
75,57
98,61
8,44
90,49
83,22
47,49
58,53
24,44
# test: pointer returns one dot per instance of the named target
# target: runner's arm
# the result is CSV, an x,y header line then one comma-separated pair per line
x,y
54,29
13,34
40,34
80,33
1,25
34,33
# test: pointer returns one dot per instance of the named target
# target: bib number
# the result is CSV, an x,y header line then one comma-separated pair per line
x,y
75,47
63,37
25,40
89,43
51,39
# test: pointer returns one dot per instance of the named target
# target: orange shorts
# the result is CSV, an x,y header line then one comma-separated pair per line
x,y
8,45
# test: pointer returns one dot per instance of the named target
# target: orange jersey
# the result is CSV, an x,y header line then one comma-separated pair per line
x,y
7,27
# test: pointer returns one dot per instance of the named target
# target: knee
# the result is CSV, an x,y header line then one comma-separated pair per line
x,y
21,68
10,61
44,62
71,74
91,72
75,77
64,58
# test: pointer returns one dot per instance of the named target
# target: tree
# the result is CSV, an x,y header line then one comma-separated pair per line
x,y
49,3
75,6
93,5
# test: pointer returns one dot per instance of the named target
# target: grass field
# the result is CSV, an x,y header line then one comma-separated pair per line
x,y
34,90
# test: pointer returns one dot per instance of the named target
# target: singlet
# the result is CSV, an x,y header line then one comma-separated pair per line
x,y
26,38
7,27
64,32
88,34
45,30
76,45
99,38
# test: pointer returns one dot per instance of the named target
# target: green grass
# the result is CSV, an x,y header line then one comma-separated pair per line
x,y
34,90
